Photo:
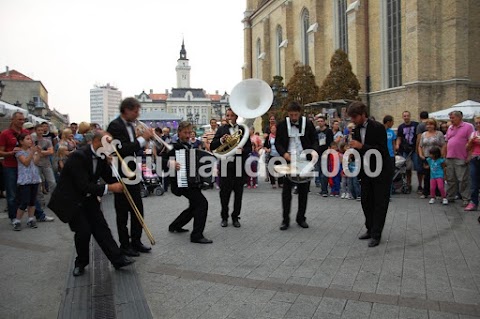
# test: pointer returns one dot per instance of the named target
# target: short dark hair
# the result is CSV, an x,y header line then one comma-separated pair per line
x,y
321,117
423,115
387,118
357,108
44,122
436,151
21,137
294,107
230,109
129,103
183,125
73,123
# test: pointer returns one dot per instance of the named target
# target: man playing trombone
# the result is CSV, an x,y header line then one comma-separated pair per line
x,y
122,129
75,201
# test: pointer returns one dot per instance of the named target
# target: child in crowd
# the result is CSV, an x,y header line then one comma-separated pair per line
x,y
352,182
28,180
437,166
336,157
342,147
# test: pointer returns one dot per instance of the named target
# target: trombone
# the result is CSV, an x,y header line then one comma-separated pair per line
x,y
142,126
129,174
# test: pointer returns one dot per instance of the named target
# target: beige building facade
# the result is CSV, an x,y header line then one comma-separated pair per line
x,y
407,55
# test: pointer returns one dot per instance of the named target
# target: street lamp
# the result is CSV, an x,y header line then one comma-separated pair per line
x,y
17,104
2,86
279,93
189,116
197,116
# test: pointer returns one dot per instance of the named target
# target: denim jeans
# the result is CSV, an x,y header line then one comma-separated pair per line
x,y
354,187
474,178
10,178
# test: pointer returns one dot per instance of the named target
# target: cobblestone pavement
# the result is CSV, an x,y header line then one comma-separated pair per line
x,y
427,265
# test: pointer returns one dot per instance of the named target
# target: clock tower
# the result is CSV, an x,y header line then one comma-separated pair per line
x,y
183,69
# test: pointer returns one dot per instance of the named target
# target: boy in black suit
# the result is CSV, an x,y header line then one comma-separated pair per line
x,y
122,129
197,203
77,191
295,135
370,135
232,181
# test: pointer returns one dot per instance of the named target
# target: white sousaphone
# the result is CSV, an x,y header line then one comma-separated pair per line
x,y
249,99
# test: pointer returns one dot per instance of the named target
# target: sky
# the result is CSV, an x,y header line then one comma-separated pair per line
x,y
134,45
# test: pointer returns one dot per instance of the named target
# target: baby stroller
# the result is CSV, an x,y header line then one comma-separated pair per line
x,y
151,182
400,175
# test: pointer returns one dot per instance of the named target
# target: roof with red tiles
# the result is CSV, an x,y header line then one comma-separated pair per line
x,y
155,96
215,97
14,75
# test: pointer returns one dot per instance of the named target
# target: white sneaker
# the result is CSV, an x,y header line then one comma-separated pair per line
x,y
431,201
445,201
344,196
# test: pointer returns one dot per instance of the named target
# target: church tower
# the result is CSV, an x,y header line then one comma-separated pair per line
x,y
183,69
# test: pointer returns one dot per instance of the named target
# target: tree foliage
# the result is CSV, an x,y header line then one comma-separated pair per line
x,y
341,82
301,86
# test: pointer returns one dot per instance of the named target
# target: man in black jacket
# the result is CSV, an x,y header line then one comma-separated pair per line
x,y
295,135
370,136
78,189
231,181
122,130
197,203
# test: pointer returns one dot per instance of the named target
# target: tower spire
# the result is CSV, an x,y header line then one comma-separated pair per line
x,y
183,52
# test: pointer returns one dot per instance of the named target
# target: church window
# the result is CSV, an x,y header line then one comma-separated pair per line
x,y
342,33
305,18
278,50
394,43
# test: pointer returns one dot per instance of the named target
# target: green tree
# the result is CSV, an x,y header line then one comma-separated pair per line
x,y
301,86
341,82
278,99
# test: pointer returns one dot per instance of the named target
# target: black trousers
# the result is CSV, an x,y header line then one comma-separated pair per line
x,y
122,207
375,200
90,221
227,185
197,209
302,189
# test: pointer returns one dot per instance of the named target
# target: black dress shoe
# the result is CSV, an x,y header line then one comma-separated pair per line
x,y
373,242
201,241
78,271
177,229
122,262
141,247
236,223
365,236
303,224
224,223
129,251
284,226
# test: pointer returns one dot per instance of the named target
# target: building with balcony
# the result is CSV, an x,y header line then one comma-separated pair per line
x,y
188,104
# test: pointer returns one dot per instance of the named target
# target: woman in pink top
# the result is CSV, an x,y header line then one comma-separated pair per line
x,y
473,147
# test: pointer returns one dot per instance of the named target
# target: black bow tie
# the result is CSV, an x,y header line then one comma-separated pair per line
x,y
297,124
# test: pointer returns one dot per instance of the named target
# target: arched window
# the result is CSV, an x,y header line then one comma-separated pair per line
x,y
342,25
393,42
305,18
258,50
278,50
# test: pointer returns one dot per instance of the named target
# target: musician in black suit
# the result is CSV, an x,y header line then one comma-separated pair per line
x,y
122,129
78,189
197,203
234,179
370,135
294,135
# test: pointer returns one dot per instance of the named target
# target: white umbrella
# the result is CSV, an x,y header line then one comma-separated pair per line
x,y
469,108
